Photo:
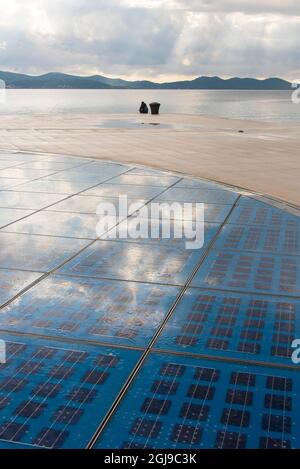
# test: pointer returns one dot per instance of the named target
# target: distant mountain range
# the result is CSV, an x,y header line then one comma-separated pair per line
x,y
64,81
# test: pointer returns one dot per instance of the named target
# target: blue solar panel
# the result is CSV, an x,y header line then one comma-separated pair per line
x,y
194,195
54,395
104,311
253,212
185,403
246,271
164,232
248,327
39,253
133,261
218,371
283,239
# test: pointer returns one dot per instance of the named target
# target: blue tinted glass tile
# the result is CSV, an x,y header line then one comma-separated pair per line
x,y
190,183
282,239
52,187
132,261
254,212
27,200
40,253
182,194
164,232
104,311
62,404
145,180
73,225
250,327
246,271
23,173
133,192
89,204
224,413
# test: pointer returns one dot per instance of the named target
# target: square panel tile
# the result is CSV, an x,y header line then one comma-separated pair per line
x,y
13,282
143,171
54,187
188,419
213,213
9,215
28,200
102,311
89,204
253,212
245,271
52,165
194,195
130,261
145,180
39,253
77,177
190,183
164,232
9,183
132,192
240,326
73,225
57,394
284,239
19,173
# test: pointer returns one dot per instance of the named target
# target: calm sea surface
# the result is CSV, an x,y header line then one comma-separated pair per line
x,y
272,106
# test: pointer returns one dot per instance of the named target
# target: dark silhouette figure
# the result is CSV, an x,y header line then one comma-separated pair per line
x,y
144,108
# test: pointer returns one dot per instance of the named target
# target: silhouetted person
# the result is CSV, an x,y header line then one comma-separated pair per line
x,y
144,108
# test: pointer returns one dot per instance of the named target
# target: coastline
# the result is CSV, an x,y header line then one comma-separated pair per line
x,y
263,159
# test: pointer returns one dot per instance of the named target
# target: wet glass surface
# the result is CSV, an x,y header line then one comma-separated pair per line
x,y
40,253
53,394
185,403
73,225
88,309
132,191
216,323
193,195
8,215
133,261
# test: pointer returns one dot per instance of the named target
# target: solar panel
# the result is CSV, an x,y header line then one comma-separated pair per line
x,y
223,405
62,405
253,327
98,310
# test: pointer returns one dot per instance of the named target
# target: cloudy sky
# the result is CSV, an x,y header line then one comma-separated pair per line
x,y
156,39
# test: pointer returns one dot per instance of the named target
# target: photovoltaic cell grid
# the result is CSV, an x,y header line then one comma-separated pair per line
x,y
282,239
53,395
103,311
241,326
82,330
186,403
134,261
244,271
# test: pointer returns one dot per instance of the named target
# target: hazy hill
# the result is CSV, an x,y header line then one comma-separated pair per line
x,y
64,81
